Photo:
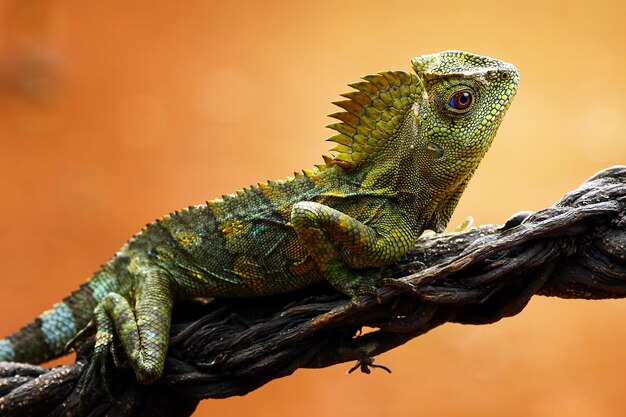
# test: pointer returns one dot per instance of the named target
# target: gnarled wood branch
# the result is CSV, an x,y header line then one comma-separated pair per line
x,y
221,348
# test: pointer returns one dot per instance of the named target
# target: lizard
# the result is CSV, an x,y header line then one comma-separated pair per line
x,y
406,146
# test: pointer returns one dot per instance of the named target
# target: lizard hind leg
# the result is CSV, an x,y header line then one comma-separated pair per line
x,y
143,330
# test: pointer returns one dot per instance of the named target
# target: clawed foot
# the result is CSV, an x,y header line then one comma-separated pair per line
x,y
96,378
402,271
363,285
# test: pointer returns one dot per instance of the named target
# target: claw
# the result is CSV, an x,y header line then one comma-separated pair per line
x,y
98,368
99,360
114,355
105,383
90,385
466,226
83,389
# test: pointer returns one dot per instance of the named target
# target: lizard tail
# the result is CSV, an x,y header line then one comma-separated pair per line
x,y
46,337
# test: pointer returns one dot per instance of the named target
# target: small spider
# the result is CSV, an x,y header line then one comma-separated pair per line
x,y
366,364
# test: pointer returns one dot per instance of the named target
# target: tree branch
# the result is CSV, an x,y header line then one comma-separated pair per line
x,y
221,348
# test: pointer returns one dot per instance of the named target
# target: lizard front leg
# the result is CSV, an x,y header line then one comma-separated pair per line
x,y
324,230
143,330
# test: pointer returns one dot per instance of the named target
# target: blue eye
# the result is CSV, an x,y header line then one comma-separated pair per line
x,y
461,101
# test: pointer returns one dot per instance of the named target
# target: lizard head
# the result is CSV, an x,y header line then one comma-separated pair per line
x,y
464,99
424,133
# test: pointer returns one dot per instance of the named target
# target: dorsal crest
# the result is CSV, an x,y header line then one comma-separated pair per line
x,y
373,113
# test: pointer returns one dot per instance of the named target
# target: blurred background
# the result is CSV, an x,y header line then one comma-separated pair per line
x,y
115,113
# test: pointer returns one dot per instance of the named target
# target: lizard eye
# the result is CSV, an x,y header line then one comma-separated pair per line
x,y
461,101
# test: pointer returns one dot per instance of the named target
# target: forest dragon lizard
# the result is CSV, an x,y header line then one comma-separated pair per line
x,y
407,145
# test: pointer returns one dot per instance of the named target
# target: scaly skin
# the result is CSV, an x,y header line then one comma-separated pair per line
x,y
407,145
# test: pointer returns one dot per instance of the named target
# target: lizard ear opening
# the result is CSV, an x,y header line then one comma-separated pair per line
x,y
373,114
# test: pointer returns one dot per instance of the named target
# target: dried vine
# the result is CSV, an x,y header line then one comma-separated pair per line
x,y
221,348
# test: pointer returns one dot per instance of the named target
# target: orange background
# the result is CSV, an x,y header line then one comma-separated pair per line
x,y
114,114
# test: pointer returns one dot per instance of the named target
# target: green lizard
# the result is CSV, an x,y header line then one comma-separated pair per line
x,y
407,144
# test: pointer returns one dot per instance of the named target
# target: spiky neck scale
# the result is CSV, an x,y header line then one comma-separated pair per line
x,y
373,115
